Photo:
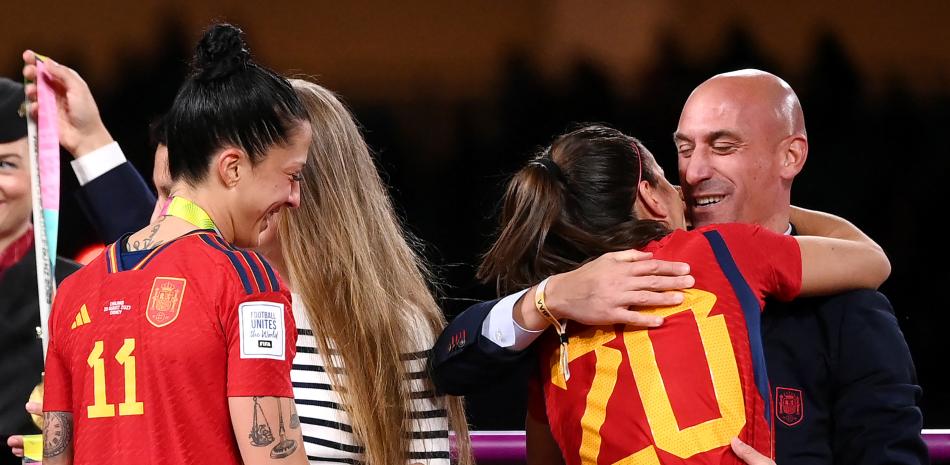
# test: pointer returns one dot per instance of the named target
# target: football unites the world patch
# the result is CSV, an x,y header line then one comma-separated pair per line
x,y
164,301
262,330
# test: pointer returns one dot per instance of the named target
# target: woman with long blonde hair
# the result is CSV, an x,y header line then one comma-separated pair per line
x,y
362,290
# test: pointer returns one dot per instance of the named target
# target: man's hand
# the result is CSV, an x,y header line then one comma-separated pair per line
x,y
749,455
603,291
80,127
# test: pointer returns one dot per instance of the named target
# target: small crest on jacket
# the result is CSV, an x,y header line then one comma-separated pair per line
x,y
789,405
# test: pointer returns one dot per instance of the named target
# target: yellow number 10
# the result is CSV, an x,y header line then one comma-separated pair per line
x,y
667,435
102,408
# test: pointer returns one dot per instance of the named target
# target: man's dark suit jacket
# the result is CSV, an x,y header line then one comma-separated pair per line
x,y
844,389
117,202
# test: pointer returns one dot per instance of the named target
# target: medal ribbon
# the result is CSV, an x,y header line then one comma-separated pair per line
x,y
185,209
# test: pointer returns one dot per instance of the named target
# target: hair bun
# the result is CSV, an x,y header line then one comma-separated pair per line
x,y
220,53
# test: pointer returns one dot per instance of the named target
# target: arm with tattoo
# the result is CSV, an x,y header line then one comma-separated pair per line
x,y
57,438
266,430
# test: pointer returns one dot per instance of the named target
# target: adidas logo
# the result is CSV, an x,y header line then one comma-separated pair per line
x,y
81,318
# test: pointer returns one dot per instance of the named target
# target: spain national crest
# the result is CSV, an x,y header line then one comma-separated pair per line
x,y
788,405
164,301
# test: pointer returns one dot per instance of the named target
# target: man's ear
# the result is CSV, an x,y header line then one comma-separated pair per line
x,y
229,163
649,206
794,156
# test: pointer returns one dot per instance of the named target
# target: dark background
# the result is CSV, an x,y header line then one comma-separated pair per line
x,y
454,96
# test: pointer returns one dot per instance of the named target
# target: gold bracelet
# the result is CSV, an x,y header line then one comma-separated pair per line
x,y
560,328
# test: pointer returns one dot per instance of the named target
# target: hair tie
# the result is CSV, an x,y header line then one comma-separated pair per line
x,y
549,165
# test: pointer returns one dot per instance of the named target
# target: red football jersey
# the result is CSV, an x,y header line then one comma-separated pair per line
x,y
146,358
676,394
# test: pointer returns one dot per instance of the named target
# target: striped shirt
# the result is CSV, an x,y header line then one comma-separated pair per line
x,y
327,431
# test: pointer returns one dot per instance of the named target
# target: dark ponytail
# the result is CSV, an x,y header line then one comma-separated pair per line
x,y
531,206
572,203
228,100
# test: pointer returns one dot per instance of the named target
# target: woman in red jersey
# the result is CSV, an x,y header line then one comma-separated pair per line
x,y
175,345
677,393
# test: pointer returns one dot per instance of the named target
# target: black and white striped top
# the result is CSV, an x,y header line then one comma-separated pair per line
x,y
326,427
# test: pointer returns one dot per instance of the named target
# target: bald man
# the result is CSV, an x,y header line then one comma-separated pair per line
x,y
843,384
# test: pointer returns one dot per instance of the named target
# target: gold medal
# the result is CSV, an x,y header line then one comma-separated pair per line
x,y
37,396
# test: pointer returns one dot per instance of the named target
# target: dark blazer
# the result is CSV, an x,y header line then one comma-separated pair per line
x,y
22,351
117,202
463,360
843,383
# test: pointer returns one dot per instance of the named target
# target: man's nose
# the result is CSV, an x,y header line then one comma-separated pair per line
x,y
696,168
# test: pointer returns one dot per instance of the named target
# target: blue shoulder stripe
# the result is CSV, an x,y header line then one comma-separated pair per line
x,y
234,261
271,276
751,310
252,264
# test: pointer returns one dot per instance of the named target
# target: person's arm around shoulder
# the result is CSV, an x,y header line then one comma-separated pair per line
x,y
606,290
486,339
836,255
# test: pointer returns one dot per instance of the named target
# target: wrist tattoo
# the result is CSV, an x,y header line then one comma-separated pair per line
x,y
57,433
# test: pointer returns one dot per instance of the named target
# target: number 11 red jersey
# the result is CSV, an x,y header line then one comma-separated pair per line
x,y
145,358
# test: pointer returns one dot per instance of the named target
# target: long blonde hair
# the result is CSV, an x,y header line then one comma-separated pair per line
x,y
364,288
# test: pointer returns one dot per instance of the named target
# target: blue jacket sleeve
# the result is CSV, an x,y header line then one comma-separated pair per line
x,y
117,202
876,396
463,360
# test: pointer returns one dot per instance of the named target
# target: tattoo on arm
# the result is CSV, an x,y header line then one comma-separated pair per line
x,y
261,434
57,433
294,418
286,446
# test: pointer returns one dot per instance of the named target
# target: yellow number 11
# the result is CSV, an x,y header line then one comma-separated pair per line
x,y
101,408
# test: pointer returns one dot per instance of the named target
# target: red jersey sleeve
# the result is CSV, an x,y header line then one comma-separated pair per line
x,y
771,262
262,339
57,380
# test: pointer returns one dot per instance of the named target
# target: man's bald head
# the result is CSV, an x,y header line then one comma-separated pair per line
x,y
741,140
763,90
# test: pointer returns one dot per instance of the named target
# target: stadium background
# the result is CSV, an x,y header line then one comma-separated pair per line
x,y
454,95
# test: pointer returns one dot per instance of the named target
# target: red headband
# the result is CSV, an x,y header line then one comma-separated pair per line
x,y
636,148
